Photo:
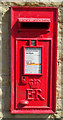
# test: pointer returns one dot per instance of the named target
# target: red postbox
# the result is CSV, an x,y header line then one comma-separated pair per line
x,y
33,59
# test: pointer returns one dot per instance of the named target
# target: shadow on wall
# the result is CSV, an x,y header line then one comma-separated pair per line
x,y
6,63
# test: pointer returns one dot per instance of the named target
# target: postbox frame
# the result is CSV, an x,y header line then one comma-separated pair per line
x,y
53,81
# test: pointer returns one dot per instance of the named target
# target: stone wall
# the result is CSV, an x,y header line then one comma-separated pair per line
x,y
5,81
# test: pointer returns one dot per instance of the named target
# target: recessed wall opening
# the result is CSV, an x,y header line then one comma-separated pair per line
x,y
35,25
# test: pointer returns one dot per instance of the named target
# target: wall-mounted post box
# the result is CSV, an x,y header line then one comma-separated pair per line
x,y
33,59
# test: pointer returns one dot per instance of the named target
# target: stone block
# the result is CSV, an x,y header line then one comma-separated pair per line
x,y
62,104
5,53
0,66
59,29
0,17
55,116
6,80
58,114
5,98
5,65
62,79
0,9
0,37
5,28
59,43
59,104
0,80
62,92
31,1
62,67
6,14
0,28
7,114
0,91
0,105
62,115
59,79
1,114
62,44
59,55
58,92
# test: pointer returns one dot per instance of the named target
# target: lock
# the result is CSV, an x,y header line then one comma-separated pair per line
x,y
33,60
23,80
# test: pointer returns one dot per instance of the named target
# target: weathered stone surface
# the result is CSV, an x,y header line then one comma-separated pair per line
x,y
62,104
59,43
62,93
5,80
62,79
62,115
1,114
0,28
5,53
0,91
5,28
0,17
6,15
58,92
58,114
7,114
5,98
0,9
5,58
59,104
62,66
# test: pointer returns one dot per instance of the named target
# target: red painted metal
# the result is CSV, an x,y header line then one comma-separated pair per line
x,y
34,20
33,92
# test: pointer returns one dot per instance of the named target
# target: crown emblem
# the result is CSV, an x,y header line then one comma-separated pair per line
x,y
34,83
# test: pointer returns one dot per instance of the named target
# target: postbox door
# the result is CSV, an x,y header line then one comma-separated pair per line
x,y
33,81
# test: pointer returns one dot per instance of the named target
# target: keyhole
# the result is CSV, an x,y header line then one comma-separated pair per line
x,y
23,78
